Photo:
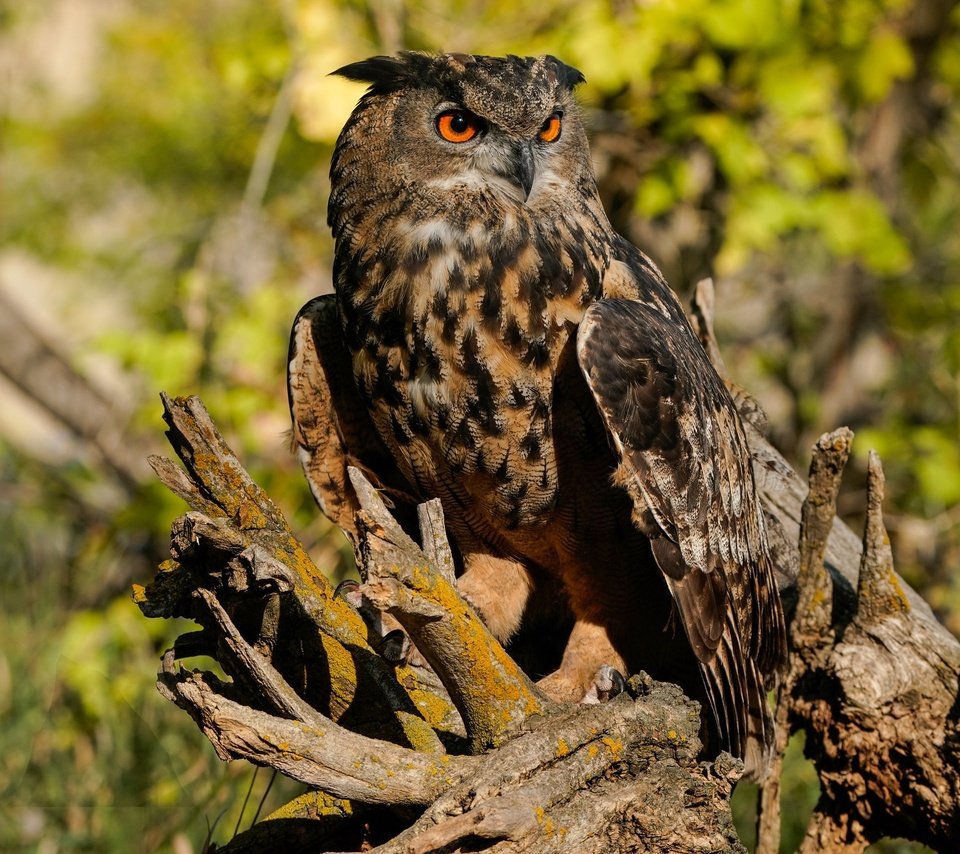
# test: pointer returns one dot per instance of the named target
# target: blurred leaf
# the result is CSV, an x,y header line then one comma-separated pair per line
x,y
746,24
741,158
793,84
854,224
885,59
654,196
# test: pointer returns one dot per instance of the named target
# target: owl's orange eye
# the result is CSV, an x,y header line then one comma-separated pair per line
x,y
457,125
550,129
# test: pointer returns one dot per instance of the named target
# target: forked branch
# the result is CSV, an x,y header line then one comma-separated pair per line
x,y
873,679
493,695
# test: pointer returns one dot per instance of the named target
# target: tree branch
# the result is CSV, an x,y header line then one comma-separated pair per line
x,y
316,751
493,695
874,679
592,777
341,673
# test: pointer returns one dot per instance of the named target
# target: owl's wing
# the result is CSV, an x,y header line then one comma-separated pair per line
x,y
685,462
331,427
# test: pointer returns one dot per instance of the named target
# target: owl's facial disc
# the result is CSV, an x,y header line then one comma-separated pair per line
x,y
504,151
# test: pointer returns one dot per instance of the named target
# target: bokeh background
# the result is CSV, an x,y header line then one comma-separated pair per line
x,y
163,184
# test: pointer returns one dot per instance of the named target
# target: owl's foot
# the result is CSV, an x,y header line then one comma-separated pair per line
x,y
590,671
560,688
607,683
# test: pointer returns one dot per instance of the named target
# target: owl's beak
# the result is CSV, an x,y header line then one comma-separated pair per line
x,y
523,166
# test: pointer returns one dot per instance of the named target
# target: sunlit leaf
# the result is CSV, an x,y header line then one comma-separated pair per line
x,y
886,59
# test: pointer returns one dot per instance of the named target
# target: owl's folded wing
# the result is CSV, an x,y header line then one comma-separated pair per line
x,y
685,462
332,428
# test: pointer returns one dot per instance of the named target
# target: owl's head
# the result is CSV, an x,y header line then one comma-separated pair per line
x,y
507,125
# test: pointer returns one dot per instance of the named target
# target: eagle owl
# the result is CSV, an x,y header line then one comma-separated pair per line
x,y
506,351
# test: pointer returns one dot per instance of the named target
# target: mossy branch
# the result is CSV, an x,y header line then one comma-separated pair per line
x,y
237,544
493,695
238,570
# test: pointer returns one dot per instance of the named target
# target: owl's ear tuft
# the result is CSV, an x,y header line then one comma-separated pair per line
x,y
569,76
383,73
573,76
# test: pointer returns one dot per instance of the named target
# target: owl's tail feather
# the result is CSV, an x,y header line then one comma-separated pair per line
x,y
738,701
761,731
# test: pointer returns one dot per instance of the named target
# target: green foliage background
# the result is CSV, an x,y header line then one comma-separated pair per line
x,y
162,217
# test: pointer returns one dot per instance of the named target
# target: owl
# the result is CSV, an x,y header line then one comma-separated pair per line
x,y
503,349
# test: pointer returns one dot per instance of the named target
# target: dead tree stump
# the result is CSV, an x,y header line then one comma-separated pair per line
x,y
454,749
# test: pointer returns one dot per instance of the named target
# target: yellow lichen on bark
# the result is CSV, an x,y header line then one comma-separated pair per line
x,y
312,805
614,745
491,692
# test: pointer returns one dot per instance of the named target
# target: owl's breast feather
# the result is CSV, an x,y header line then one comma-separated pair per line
x,y
460,327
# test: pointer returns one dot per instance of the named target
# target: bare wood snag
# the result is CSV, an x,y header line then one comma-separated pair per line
x,y
454,748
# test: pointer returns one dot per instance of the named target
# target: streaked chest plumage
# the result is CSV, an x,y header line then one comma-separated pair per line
x,y
458,326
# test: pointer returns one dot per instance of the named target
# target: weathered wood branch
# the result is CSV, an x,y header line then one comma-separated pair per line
x,y
618,777
332,698
313,821
309,747
576,776
493,695
812,614
879,703
324,648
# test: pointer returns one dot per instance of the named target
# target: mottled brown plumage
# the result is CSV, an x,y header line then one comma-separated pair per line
x,y
519,360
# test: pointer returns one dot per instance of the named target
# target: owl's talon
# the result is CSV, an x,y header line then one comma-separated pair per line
x,y
607,683
349,591
396,647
